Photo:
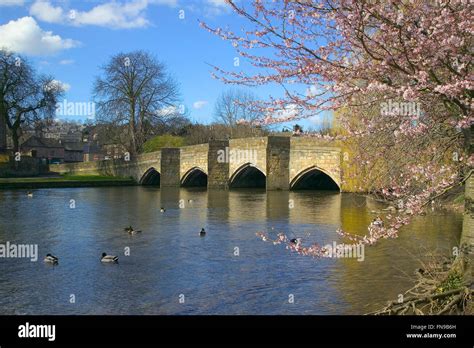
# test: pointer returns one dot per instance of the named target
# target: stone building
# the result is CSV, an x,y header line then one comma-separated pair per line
x,y
73,152
49,149
92,152
113,151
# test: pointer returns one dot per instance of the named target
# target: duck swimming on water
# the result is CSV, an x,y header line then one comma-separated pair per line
x,y
29,194
377,222
108,258
130,230
51,259
203,232
295,240
162,209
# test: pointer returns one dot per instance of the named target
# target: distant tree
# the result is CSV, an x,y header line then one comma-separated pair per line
x,y
175,124
24,96
135,90
297,129
234,106
200,133
161,141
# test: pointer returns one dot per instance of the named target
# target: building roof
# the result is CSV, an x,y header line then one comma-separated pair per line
x,y
74,146
91,147
35,141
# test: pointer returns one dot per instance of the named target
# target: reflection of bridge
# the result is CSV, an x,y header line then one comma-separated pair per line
x,y
277,163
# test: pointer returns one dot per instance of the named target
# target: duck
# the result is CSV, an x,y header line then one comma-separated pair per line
x,y
295,240
130,230
162,209
203,232
420,271
109,258
377,222
51,259
29,194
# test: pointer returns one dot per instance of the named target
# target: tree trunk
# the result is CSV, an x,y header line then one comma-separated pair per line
x,y
3,133
16,141
133,128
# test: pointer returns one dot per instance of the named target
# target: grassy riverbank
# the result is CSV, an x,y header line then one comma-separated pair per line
x,y
64,181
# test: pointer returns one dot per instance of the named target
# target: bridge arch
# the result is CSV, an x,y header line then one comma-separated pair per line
x,y
151,177
195,176
314,178
248,175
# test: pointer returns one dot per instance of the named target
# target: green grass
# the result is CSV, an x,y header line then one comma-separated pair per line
x,y
454,281
161,141
64,178
93,178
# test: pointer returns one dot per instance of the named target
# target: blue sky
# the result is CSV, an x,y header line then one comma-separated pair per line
x,y
72,39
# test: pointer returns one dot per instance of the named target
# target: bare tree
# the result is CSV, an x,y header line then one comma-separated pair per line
x,y
24,97
135,91
234,106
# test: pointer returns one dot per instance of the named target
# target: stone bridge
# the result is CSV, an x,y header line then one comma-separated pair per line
x,y
273,162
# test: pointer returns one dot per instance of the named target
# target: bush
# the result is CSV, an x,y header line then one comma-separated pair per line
x,y
160,141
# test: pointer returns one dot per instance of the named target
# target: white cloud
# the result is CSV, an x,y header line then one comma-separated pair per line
x,y
312,91
64,86
288,112
115,15
56,84
170,3
167,111
217,7
112,14
24,35
66,61
218,3
200,104
12,2
44,11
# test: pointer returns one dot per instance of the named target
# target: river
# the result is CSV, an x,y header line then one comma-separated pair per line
x,y
170,269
